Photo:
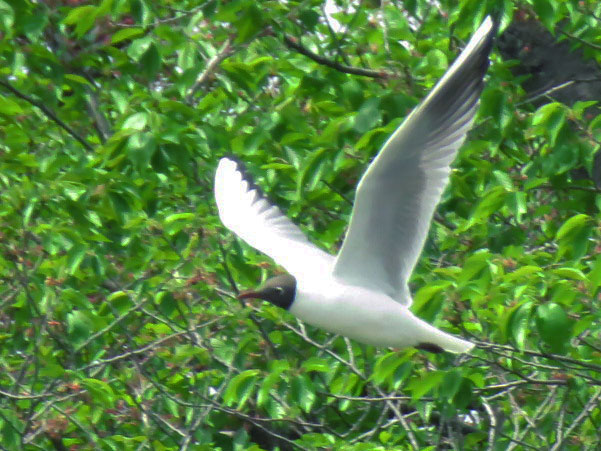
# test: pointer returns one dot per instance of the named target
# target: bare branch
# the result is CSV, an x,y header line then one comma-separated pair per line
x,y
588,408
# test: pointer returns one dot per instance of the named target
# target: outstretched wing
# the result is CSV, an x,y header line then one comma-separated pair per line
x,y
245,211
396,196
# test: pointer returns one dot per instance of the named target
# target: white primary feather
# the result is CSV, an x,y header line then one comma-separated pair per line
x,y
245,211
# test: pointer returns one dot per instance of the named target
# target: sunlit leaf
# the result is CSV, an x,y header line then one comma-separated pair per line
x,y
553,326
240,388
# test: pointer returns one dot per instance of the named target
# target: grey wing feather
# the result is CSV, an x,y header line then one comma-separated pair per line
x,y
397,195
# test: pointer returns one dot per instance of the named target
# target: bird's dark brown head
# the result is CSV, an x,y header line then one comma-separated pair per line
x,y
279,290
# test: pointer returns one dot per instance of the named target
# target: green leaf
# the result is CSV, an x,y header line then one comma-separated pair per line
x,y
140,12
310,173
473,266
99,391
450,384
569,273
523,272
368,115
302,392
571,226
345,384
550,119
105,6
9,107
421,386
504,180
240,388
78,79
11,428
553,326
464,395
545,9
493,200
594,275
120,301
573,236
309,18
166,303
517,323
75,256
580,107
276,370
79,327
83,18
136,121
427,292
179,217
316,364
139,47
125,34
517,203
436,61
250,22
385,367
140,149
53,370
7,17
150,62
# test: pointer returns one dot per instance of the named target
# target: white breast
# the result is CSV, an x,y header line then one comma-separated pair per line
x,y
358,313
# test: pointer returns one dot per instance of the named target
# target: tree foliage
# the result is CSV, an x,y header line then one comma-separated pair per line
x,y
119,326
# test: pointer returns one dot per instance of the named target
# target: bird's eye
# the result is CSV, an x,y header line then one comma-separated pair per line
x,y
279,290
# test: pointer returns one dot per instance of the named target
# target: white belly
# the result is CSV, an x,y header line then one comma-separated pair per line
x,y
368,317
361,314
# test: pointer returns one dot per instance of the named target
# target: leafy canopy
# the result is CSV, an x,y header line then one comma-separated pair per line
x,y
118,323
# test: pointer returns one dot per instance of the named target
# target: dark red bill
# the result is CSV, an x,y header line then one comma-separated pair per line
x,y
248,295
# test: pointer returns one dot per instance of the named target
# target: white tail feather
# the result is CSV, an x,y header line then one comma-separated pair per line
x,y
430,334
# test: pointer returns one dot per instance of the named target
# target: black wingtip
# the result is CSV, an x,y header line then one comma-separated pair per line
x,y
246,175
492,34
483,53
496,15
461,89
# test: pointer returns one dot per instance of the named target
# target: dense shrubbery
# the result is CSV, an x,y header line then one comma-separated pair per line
x,y
119,328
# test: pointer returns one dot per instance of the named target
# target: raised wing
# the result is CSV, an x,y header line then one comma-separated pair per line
x,y
244,210
396,196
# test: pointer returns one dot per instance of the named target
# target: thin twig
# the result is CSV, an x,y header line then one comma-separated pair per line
x,y
546,92
98,119
492,346
582,41
224,52
590,405
49,113
293,44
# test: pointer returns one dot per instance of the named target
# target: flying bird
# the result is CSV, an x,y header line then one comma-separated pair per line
x,y
362,293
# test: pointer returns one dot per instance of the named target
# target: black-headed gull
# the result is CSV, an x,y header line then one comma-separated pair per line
x,y
362,292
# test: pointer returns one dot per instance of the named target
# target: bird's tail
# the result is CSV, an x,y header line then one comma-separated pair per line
x,y
429,335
